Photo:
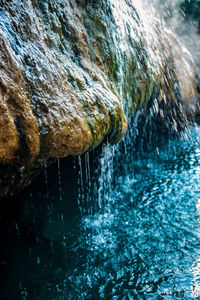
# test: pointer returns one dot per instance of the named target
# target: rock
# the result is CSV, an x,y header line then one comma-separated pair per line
x,y
71,71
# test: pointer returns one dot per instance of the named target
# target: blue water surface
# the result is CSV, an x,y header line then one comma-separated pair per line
x,y
128,227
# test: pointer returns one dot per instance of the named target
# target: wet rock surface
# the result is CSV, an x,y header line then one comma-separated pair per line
x,y
71,70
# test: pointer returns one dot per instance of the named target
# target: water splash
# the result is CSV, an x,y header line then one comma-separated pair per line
x,y
106,177
174,18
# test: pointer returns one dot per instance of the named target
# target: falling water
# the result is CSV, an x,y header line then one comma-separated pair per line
x,y
105,179
119,168
174,18
81,197
88,181
46,178
135,231
59,181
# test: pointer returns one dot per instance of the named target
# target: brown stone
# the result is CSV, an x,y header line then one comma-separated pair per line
x,y
66,70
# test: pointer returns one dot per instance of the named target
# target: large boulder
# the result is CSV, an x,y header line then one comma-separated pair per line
x,y
71,70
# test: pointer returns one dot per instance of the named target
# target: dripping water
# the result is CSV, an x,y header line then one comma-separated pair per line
x,y
80,185
46,179
88,181
59,180
136,234
105,179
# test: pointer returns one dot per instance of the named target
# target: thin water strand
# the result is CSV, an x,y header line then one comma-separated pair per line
x,y
59,180
46,179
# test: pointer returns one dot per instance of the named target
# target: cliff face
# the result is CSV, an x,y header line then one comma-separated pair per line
x,y
70,70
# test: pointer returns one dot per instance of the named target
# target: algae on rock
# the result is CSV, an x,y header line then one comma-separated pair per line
x,y
71,71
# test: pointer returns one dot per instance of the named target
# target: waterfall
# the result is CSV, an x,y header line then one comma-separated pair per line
x,y
148,125
120,176
114,221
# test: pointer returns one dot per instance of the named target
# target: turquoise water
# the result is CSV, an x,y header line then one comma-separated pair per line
x,y
128,227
